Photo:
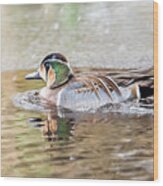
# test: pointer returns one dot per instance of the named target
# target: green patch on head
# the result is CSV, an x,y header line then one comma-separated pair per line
x,y
62,72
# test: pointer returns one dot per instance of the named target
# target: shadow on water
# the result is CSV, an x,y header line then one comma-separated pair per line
x,y
73,145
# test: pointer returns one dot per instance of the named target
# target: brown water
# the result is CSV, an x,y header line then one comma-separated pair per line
x,y
100,146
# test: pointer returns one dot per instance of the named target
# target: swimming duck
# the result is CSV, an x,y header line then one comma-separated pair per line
x,y
82,92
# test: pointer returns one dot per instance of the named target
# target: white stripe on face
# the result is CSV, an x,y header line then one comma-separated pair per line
x,y
42,72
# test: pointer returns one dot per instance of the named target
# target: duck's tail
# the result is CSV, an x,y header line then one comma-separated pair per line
x,y
135,91
141,92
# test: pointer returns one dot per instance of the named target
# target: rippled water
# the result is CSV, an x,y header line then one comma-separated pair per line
x,y
100,146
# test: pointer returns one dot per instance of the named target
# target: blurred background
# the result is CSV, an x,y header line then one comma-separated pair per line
x,y
113,34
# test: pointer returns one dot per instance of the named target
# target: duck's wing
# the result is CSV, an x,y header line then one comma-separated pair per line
x,y
88,93
99,82
128,77
143,78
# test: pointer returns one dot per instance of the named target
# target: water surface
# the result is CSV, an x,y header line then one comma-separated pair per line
x,y
103,34
99,146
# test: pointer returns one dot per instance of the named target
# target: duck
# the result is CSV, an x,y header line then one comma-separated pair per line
x,y
78,92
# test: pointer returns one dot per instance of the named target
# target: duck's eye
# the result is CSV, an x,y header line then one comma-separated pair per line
x,y
47,66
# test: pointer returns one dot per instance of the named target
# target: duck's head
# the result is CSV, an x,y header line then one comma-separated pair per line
x,y
54,69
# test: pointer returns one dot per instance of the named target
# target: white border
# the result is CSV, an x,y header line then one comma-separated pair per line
x,y
55,1
64,182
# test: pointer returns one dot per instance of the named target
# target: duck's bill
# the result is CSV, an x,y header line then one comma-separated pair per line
x,y
34,75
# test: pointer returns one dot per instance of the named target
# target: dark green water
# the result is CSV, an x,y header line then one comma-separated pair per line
x,y
107,146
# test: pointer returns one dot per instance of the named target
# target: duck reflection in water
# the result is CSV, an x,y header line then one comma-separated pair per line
x,y
55,127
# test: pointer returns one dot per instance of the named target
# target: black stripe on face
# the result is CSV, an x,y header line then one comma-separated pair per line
x,y
47,67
